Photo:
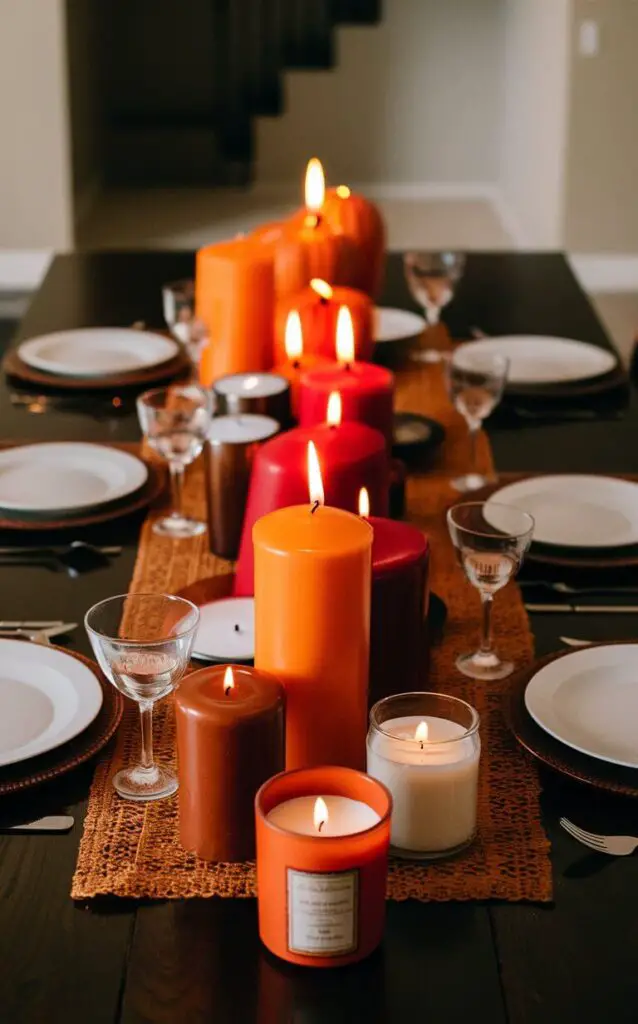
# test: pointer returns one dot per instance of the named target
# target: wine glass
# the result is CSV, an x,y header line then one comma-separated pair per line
x,y
490,540
432,278
176,421
143,644
475,383
178,303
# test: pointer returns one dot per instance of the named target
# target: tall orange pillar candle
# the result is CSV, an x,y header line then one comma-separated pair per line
x,y
318,307
359,221
234,296
312,624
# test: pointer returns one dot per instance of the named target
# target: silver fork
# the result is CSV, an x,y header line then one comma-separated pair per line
x,y
615,846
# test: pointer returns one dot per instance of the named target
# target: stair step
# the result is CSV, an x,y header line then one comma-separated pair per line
x,y
356,12
306,34
169,155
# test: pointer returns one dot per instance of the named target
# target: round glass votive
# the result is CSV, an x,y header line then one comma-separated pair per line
x,y
425,748
322,853
264,394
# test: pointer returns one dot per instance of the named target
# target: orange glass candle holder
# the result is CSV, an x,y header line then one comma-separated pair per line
x,y
322,856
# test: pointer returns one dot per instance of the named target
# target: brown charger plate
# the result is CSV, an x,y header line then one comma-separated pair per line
x,y
146,495
35,770
14,367
568,558
553,753
616,378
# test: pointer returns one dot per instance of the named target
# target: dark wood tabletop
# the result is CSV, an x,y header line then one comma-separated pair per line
x,y
201,960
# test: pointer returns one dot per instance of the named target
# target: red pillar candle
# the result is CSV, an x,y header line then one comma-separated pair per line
x,y
359,220
230,739
234,296
296,359
352,456
322,852
367,391
318,307
400,564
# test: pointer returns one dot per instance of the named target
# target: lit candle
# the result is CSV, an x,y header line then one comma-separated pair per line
x,y
296,360
352,456
230,739
229,454
265,394
322,843
360,221
312,623
367,391
425,748
400,561
318,307
234,296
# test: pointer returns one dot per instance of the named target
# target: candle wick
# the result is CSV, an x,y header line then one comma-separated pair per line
x,y
323,300
315,506
320,826
295,364
237,628
347,367
421,742
227,690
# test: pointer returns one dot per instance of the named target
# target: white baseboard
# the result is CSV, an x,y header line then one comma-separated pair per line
x,y
606,272
386,189
23,270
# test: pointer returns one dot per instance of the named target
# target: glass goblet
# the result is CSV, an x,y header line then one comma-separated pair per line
x,y
143,644
178,302
475,383
432,278
490,541
176,421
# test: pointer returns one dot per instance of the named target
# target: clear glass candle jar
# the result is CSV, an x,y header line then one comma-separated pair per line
x,y
425,748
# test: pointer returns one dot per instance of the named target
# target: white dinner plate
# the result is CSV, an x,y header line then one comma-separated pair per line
x,y
396,324
589,701
575,510
97,351
66,477
46,698
217,639
536,359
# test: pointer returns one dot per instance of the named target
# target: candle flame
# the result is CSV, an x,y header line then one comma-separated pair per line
x,y
315,483
364,503
334,411
421,732
345,336
343,192
320,814
251,383
315,187
322,288
229,682
293,336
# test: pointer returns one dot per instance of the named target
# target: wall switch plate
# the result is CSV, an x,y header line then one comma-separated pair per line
x,y
588,38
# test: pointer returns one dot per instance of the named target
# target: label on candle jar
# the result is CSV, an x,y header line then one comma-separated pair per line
x,y
322,912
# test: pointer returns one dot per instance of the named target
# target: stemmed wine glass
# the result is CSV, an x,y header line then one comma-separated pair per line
x,y
432,278
178,302
475,383
490,541
176,421
143,644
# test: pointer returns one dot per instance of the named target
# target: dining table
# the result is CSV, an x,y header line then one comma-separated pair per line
x,y
108,959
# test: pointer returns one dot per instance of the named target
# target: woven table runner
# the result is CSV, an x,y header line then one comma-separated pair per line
x,y
133,850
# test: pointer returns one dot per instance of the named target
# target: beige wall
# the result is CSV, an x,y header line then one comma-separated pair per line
x,y
535,116
35,185
413,99
602,167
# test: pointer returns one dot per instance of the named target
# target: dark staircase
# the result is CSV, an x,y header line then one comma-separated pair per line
x,y
183,80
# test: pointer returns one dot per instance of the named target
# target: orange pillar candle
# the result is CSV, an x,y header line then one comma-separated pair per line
x,y
322,851
230,739
296,360
312,624
360,221
234,296
318,308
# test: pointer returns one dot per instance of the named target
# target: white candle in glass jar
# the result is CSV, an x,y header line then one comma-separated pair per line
x,y
323,816
251,385
433,778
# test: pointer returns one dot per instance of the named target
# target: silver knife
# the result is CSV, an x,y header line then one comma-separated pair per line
x,y
51,823
592,609
29,623
49,631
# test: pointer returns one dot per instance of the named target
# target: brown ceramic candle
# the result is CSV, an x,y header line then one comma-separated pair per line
x,y
230,739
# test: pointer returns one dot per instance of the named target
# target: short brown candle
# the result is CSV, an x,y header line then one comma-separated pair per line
x,y
230,739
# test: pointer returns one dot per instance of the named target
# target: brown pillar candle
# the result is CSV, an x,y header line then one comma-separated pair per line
x,y
228,458
230,740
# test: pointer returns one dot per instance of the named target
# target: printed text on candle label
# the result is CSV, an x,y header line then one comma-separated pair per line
x,y
322,912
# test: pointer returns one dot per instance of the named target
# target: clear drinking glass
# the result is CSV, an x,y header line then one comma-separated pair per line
x,y
178,302
176,421
490,541
432,278
143,644
475,383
